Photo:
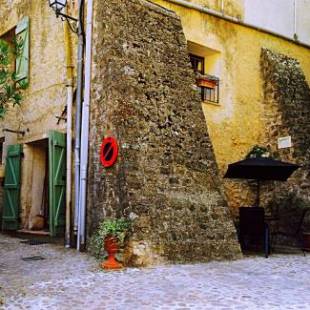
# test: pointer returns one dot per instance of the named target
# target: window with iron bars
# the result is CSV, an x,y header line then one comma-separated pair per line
x,y
209,89
198,63
209,86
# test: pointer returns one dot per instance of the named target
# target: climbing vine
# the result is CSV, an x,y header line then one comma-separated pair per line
x,y
10,89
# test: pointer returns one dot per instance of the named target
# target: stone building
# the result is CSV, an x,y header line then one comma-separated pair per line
x,y
166,178
230,39
28,131
177,128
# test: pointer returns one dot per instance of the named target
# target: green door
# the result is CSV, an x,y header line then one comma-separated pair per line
x,y
57,184
10,217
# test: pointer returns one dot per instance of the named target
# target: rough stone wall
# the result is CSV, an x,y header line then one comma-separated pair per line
x,y
236,124
166,178
287,113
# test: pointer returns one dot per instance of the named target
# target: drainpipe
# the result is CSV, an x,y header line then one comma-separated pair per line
x,y
295,19
234,20
69,75
79,96
222,7
85,128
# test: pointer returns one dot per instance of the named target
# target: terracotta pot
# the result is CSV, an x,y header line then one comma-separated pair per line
x,y
306,241
111,246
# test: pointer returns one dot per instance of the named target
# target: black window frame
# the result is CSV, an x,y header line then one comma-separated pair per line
x,y
195,58
211,94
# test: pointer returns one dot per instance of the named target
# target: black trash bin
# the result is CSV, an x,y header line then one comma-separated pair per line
x,y
253,230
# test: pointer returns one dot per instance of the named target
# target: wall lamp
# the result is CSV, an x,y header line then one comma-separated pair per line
x,y
58,6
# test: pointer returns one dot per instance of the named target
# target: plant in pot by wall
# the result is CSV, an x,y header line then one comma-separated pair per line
x,y
258,151
108,241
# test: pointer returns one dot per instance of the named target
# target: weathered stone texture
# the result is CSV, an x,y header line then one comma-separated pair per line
x,y
166,178
45,98
287,112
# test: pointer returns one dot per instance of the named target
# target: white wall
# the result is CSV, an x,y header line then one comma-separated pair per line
x,y
279,16
303,20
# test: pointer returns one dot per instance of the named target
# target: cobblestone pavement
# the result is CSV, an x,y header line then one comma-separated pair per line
x,y
66,279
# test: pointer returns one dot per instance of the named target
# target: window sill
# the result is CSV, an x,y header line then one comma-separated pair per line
x,y
212,103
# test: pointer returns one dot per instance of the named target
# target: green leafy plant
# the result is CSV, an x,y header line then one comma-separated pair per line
x,y
18,45
118,228
10,89
258,151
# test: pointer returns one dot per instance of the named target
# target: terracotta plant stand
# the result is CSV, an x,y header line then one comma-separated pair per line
x,y
111,246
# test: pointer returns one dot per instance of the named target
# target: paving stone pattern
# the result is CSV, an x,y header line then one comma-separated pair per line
x,y
66,279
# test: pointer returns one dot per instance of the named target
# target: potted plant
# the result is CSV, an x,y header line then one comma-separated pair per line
x,y
258,151
108,240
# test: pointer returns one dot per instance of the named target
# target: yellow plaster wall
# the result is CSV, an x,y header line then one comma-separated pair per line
x,y
45,97
236,124
233,8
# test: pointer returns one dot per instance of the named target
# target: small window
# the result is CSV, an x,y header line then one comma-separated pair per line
x,y
206,63
208,85
8,37
18,41
198,63
209,88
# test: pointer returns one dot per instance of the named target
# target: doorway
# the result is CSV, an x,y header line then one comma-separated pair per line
x,y
34,186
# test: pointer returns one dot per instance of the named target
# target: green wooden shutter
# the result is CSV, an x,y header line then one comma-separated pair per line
x,y
57,177
10,217
22,57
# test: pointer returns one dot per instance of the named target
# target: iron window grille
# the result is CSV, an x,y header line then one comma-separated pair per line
x,y
210,92
208,85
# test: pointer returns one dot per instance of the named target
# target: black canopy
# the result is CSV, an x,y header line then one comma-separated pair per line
x,y
261,168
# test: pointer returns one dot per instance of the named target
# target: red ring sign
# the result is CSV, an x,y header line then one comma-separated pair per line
x,y
108,152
